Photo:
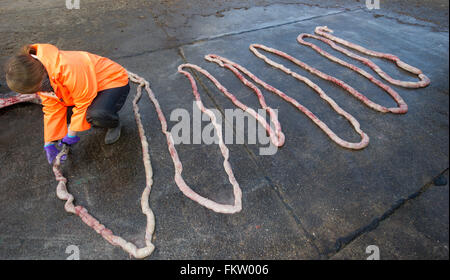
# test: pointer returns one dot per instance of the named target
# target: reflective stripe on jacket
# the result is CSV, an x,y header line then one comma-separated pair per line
x,y
76,77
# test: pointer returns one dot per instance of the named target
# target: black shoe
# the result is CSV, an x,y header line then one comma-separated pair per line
x,y
113,135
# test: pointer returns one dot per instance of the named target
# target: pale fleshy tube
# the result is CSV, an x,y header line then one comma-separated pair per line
x,y
236,68
19,98
329,39
217,207
276,135
402,106
63,194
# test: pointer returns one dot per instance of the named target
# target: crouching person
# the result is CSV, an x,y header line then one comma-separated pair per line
x,y
78,90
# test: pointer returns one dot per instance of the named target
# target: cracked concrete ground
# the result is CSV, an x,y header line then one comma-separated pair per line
x,y
311,200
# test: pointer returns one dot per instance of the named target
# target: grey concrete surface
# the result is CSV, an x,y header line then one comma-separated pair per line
x,y
417,229
311,200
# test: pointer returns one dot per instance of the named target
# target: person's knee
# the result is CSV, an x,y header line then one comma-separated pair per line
x,y
102,118
124,91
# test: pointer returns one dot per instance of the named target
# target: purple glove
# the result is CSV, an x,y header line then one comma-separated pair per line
x,y
52,152
69,140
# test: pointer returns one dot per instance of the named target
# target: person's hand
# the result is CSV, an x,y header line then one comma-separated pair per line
x,y
69,140
52,152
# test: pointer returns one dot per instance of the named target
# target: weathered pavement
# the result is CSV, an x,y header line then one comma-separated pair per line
x,y
311,200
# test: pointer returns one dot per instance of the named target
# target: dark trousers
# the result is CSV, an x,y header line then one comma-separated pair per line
x,y
103,111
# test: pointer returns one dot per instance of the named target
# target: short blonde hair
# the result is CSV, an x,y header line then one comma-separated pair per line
x,y
24,74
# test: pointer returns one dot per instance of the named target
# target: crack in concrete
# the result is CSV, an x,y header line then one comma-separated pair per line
x,y
220,36
233,33
291,212
267,27
197,77
219,13
252,156
344,241
401,20
160,24
341,242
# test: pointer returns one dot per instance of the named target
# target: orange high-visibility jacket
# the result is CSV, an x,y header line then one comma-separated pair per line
x,y
76,77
